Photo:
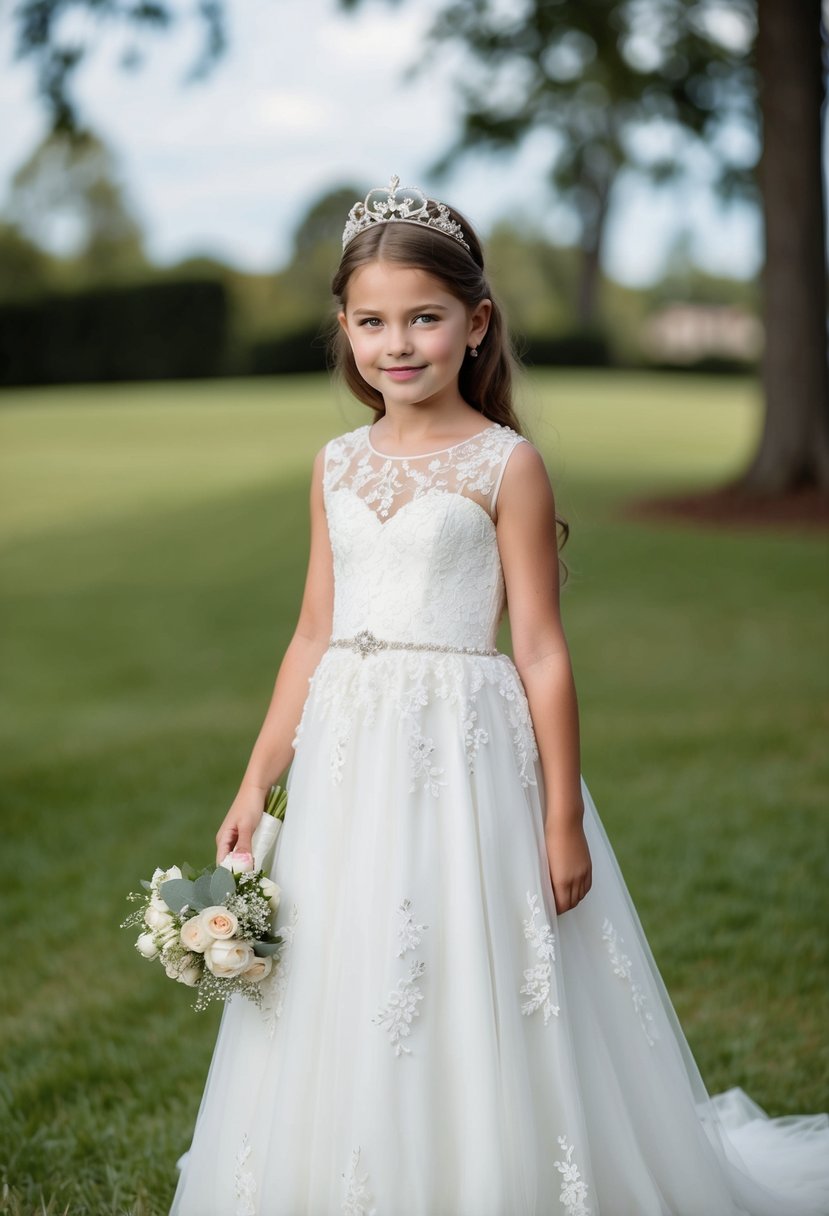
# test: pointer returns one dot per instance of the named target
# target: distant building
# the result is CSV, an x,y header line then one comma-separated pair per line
x,y
684,333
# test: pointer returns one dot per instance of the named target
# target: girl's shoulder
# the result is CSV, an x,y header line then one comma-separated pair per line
x,y
348,441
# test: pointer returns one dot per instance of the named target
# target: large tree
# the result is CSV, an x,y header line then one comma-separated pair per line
x,y
70,184
791,56
593,75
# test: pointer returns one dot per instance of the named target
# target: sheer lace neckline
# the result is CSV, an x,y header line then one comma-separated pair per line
x,y
420,455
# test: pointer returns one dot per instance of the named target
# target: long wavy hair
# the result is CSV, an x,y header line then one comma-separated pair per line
x,y
485,383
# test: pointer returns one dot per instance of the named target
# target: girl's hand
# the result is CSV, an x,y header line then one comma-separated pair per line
x,y
570,867
240,822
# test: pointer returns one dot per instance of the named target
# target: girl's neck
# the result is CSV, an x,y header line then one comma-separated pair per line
x,y
419,426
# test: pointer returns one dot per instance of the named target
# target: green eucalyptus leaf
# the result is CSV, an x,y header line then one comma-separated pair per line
x,y
201,891
176,892
262,949
222,885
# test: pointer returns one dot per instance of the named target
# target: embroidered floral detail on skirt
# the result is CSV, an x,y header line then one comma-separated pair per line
x,y
573,1194
401,1007
420,757
345,686
408,932
245,1181
358,1197
538,978
623,967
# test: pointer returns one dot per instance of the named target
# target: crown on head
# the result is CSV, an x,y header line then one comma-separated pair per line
x,y
404,205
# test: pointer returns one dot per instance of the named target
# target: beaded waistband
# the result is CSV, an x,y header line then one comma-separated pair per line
x,y
365,642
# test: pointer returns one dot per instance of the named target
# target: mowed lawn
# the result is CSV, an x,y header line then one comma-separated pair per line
x,y
154,541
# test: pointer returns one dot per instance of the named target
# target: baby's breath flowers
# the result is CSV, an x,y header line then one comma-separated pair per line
x,y
213,931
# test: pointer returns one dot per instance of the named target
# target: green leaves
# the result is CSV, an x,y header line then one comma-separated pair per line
x,y
211,887
176,892
222,885
271,945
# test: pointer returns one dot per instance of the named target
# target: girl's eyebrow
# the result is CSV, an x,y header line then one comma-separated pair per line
x,y
374,312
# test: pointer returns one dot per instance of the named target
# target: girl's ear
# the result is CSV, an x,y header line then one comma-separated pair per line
x,y
479,321
342,320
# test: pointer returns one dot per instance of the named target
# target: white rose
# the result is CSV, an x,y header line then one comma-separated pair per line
x,y
171,968
238,862
258,969
157,915
160,876
190,974
271,892
227,959
194,935
219,922
146,946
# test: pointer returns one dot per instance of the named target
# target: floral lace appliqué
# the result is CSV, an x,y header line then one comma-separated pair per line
x,y
358,1197
623,967
473,736
274,987
400,1009
424,772
408,932
245,1183
345,686
573,1193
538,978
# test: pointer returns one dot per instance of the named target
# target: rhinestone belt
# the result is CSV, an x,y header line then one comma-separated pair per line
x,y
365,642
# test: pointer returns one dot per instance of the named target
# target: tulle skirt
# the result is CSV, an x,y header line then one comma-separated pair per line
x,y
435,1040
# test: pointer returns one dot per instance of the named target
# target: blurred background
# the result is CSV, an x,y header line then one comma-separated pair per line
x,y
648,176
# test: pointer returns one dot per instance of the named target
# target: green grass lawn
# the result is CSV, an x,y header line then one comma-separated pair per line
x,y
154,541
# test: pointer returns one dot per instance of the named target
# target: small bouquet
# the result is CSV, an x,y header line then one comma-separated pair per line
x,y
212,931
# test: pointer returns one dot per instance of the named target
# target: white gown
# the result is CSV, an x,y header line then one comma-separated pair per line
x,y
436,1042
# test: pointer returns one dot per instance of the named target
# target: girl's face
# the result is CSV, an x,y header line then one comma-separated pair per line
x,y
408,333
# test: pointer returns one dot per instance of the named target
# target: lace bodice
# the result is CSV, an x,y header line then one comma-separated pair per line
x,y
413,538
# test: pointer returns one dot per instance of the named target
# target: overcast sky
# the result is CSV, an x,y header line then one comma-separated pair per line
x,y
305,99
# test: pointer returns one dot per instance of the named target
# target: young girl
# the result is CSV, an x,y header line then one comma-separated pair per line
x,y
467,1019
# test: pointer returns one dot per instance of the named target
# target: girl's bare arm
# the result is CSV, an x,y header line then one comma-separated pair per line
x,y
526,528
272,751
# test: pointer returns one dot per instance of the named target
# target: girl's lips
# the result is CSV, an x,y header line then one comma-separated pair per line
x,y
402,373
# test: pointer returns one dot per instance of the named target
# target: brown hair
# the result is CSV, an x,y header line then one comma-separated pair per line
x,y
485,382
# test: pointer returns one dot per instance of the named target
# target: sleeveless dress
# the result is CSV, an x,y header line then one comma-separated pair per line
x,y
435,1041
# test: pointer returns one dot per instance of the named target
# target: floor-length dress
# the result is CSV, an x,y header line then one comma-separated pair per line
x,y
435,1041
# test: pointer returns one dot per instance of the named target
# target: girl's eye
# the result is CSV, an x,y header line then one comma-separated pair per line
x,y
426,316
371,322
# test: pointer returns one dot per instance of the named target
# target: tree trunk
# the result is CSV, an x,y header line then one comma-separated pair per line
x,y
587,302
794,447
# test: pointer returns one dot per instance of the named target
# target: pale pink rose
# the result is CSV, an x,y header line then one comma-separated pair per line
x,y
227,959
218,922
258,969
195,935
238,862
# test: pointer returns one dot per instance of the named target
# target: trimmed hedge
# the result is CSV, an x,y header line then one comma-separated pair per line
x,y
305,350
152,331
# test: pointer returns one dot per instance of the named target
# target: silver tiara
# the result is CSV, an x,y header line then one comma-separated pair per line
x,y
406,205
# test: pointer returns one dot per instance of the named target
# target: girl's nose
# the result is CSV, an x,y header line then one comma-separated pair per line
x,y
399,342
